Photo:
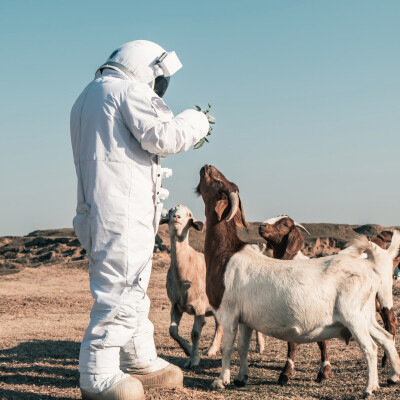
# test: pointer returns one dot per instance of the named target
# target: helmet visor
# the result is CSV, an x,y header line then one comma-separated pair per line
x,y
161,84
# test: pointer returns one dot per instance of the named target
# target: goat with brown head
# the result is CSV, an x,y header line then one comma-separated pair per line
x,y
224,213
282,236
221,197
383,240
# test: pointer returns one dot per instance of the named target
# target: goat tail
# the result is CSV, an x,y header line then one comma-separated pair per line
x,y
360,247
393,249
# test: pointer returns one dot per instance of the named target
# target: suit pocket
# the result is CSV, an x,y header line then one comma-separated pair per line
x,y
81,224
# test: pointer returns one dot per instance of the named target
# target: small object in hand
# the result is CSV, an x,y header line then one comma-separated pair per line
x,y
211,121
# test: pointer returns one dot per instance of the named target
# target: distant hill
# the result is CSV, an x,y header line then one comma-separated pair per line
x,y
61,245
324,238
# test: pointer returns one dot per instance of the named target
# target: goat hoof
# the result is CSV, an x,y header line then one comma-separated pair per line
x,y
370,392
240,382
210,352
191,363
259,350
323,376
283,379
217,385
391,382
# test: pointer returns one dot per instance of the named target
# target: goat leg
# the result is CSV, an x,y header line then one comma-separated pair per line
x,y
176,316
385,340
390,322
288,369
243,349
361,331
325,372
260,342
230,327
216,343
199,322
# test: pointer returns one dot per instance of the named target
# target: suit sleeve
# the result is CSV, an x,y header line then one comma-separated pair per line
x,y
156,128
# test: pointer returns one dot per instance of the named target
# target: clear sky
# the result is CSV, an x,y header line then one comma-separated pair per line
x,y
306,96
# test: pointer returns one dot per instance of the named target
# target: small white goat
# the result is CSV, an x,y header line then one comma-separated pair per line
x,y
186,284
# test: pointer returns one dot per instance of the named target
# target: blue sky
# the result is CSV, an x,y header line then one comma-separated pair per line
x,y
306,96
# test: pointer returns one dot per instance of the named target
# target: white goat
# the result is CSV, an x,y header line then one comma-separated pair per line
x,y
186,284
306,301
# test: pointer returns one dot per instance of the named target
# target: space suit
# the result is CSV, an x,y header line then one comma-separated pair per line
x,y
120,128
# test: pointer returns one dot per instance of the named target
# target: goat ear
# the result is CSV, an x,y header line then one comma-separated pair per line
x,y
198,225
295,242
240,219
221,207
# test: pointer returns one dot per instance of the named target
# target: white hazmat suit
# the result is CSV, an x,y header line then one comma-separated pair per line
x,y
119,130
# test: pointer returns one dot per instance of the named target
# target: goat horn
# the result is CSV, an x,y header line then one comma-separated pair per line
x,y
244,222
301,226
234,200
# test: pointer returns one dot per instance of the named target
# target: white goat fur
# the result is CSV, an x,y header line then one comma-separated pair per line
x,y
384,293
300,256
307,300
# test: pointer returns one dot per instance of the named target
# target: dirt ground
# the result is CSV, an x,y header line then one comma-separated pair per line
x,y
44,311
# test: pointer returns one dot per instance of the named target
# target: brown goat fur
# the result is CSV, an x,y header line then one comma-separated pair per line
x,y
283,237
383,240
221,238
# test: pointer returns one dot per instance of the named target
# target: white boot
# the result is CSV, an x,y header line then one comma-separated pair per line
x,y
148,367
157,373
117,386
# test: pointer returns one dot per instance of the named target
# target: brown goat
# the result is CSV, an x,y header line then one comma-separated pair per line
x,y
283,235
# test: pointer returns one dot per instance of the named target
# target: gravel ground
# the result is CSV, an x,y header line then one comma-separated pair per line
x,y
43,312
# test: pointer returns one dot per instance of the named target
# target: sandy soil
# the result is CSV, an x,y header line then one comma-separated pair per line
x,y
44,310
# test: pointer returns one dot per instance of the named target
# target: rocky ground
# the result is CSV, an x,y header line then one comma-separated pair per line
x,y
44,308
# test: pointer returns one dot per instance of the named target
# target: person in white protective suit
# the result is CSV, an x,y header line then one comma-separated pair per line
x,y
120,128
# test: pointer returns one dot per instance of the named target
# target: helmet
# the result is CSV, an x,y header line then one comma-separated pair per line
x,y
145,62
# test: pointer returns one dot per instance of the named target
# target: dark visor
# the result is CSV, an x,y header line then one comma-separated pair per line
x,y
161,85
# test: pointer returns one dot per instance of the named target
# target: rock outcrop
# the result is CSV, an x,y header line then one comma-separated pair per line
x,y
61,245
